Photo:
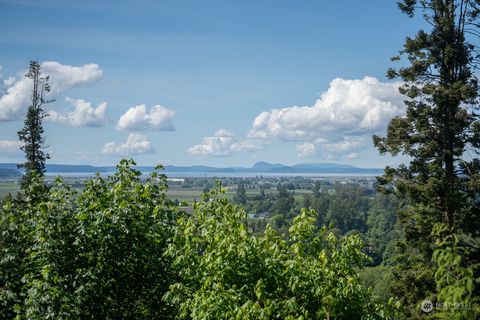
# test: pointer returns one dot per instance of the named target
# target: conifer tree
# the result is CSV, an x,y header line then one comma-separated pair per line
x,y
32,133
241,196
440,133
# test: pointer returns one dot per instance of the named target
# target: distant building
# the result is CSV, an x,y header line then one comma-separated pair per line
x,y
261,215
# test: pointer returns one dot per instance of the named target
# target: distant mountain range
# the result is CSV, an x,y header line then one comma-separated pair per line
x,y
9,173
259,167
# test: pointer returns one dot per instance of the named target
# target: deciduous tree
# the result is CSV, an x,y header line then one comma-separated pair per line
x,y
227,273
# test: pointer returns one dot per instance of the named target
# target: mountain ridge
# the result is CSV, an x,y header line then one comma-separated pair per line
x,y
259,167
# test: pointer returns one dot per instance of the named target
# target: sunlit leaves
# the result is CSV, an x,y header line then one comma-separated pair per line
x,y
96,255
227,273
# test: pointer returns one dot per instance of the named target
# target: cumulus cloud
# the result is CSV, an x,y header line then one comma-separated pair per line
x,y
136,144
15,92
223,143
5,83
138,118
348,107
10,148
349,147
84,115
305,149
338,123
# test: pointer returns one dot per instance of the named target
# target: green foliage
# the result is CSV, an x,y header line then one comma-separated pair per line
x,y
278,222
98,255
227,273
261,203
379,279
32,133
455,276
440,134
14,242
348,208
413,279
17,225
382,232
284,202
240,196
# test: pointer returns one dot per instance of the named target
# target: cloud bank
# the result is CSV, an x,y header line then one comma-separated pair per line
x,y
340,122
223,143
15,92
83,115
138,118
348,107
136,144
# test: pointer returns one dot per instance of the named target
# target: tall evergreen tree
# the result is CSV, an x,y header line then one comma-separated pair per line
x,y
241,196
32,133
440,132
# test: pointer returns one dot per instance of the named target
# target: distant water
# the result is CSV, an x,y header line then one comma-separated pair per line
x,y
218,174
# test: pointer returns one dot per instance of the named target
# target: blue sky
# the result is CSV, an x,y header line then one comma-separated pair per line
x,y
221,83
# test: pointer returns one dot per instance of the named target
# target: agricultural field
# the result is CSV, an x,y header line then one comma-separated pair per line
x,y
174,192
191,194
8,187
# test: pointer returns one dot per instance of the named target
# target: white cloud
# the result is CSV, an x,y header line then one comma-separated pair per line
x,y
136,144
10,148
340,122
223,143
348,144
351,156
15,92
348,107
332,150
84,115
349,147
305,149
137,118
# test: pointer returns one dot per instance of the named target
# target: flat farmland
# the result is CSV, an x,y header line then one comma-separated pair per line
x,y
190,194
184,194
179,193
8,187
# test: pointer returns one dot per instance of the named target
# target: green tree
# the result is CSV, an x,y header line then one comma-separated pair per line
x,y
381,227
456,278
227,273
321,203
278,221
97,255
440,132
348,208
32,133
18,215
284,202
14,242
240,196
